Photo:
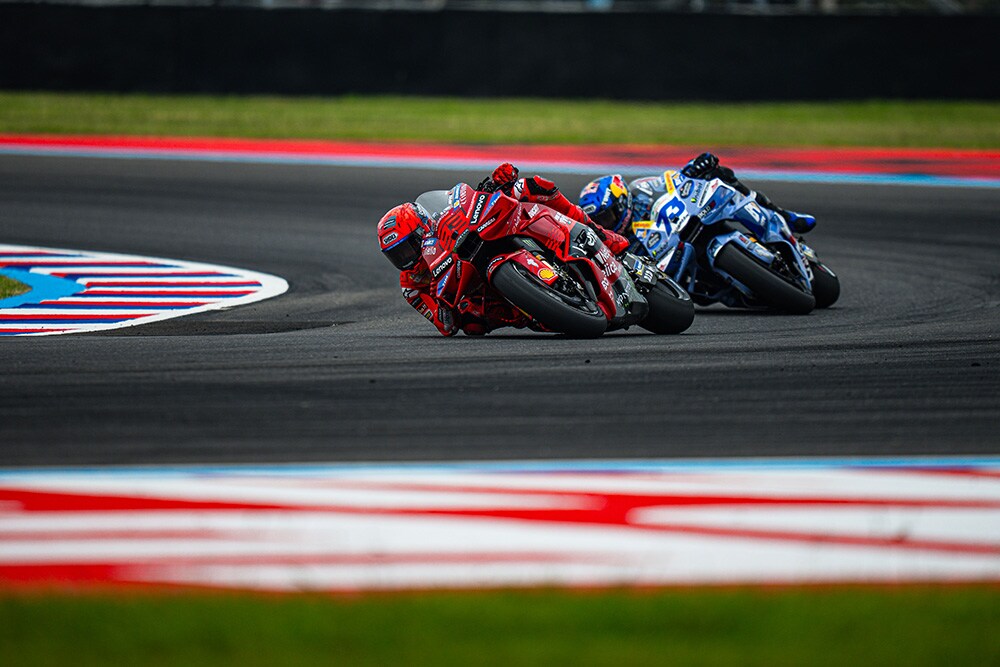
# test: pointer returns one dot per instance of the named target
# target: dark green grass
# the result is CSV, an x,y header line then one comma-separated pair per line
x,y
10,287
922,625
873,123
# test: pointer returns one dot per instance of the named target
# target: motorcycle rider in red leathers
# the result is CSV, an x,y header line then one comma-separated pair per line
x,y
401,233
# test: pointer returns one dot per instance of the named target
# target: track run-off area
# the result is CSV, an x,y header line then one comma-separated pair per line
x,y
339,369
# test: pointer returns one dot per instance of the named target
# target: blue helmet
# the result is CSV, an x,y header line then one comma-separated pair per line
x,y
608,202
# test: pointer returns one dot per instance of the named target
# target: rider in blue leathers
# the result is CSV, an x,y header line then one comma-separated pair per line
x,y
612,204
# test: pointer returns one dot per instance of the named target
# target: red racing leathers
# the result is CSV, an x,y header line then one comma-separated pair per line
x,y
538,190
477,316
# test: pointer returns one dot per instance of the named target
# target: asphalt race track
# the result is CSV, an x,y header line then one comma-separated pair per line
x,y
342,369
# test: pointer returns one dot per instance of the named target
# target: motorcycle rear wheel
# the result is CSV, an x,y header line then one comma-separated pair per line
x,y
826,285
770,288
548,307
671,310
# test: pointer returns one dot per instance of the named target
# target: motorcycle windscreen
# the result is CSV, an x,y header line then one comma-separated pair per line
x,y
435,202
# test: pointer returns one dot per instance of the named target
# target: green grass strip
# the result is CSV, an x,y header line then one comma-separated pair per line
x,y
875,123
11,287
920,625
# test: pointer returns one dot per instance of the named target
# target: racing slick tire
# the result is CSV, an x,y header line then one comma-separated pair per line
x,y
826,285
577,317
671,310
769,287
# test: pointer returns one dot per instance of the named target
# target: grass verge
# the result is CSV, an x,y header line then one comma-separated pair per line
x,y
918,625
874,123
11,287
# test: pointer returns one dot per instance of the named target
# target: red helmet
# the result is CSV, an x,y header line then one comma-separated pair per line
x,y
401,235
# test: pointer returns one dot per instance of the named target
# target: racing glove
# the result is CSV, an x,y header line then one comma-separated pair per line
x,y
541,188
703,166
504,177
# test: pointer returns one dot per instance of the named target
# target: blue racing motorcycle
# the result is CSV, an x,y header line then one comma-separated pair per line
x,y
724,247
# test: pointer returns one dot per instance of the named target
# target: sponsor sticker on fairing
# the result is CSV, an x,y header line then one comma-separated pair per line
x,y
442,266
454,199
754,212
494,263
707,193
443,283
477,209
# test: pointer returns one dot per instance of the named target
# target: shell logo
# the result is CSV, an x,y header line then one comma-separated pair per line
x,y
546,274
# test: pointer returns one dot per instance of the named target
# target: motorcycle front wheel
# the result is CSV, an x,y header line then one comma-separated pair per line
x,y
671,310
572,314
826,285
769,287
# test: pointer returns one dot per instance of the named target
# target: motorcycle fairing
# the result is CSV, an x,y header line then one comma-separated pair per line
x,y
687,200
618,297
575,244
470,217
776,234
768,226
539,268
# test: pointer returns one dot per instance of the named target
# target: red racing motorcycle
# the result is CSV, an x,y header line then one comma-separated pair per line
x,y
550,267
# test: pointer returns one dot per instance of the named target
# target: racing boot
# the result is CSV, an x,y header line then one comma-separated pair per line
x,y
800,223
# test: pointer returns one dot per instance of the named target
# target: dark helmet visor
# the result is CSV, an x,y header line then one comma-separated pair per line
x,y
405,253
611,217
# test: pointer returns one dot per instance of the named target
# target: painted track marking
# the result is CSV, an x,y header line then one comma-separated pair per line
x,y
474,525
75,291
879,166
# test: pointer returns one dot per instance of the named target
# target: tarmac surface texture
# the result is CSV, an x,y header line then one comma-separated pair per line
x,y
340,368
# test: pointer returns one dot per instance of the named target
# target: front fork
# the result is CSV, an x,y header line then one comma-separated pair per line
x,y
680,262
621,301
774,233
